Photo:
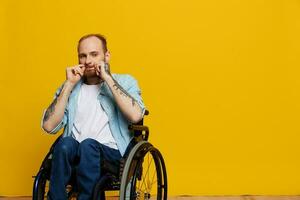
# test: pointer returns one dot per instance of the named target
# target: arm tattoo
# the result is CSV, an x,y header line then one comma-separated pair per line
x,y
123,92
50,110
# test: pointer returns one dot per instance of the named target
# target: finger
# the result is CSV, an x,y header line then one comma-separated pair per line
x,y
80,72
73,70
97,67
77,72
102,66
81,69
77,67
101,63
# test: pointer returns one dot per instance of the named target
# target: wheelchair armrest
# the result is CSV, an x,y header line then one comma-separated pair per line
x,y
138,130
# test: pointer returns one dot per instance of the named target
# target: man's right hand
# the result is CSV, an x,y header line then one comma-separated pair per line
x,y
74,74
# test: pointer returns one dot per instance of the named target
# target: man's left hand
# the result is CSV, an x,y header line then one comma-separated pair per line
x,y
103,70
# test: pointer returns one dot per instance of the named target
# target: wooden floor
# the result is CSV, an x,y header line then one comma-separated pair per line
x,y
246,197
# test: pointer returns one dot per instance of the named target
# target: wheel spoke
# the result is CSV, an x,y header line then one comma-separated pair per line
x,y
152,182
144,177
148,181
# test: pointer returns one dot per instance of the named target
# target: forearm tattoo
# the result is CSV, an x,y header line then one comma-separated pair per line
x,y
50,110
123,92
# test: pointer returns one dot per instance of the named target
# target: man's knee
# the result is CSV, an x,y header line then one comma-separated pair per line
x,y
88,145
65,145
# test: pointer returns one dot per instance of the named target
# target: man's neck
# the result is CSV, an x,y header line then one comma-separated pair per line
x,y
92,80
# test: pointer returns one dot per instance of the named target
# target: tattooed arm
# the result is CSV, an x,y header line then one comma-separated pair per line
x,y
55,112
127,104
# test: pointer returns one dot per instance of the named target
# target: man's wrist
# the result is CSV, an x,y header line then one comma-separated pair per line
x,y
69,85
109,80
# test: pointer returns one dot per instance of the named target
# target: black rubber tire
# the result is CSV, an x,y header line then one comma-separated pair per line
x,y
133,168
39,186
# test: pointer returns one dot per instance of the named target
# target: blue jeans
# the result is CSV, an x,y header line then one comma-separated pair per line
x,y
85,157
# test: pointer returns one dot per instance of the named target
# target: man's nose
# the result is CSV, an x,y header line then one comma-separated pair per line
x,y
88,60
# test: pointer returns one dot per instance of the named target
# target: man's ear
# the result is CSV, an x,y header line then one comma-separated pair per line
x,y
107,56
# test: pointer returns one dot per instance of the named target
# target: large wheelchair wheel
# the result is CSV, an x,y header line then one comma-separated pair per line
x,y
39,187
144,175
41,183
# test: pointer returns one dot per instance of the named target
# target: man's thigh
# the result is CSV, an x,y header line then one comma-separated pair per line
x,y
110,154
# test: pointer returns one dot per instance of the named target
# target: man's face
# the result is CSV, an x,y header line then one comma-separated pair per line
x,y
90,52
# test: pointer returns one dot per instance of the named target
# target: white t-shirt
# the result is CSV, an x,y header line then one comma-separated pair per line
x,y
91,120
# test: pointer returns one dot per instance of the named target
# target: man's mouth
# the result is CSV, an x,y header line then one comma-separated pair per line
x,y
89,68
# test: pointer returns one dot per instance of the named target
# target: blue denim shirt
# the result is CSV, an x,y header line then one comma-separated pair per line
x,y
117,122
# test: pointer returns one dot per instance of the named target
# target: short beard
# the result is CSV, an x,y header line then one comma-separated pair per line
x,y
91,76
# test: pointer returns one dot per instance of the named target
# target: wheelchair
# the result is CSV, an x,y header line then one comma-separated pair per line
x,y
141,173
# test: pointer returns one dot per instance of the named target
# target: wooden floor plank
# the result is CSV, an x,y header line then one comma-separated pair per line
x,y
246,197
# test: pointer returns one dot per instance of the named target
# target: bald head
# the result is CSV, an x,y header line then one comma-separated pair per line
x,y
100,37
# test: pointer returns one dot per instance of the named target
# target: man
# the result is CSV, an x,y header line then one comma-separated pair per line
x,y
95,108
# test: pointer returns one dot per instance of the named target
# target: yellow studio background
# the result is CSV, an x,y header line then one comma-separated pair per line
x,y
220,79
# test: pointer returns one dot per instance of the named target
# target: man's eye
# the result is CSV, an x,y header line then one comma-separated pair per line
x,y
81,56
94,54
